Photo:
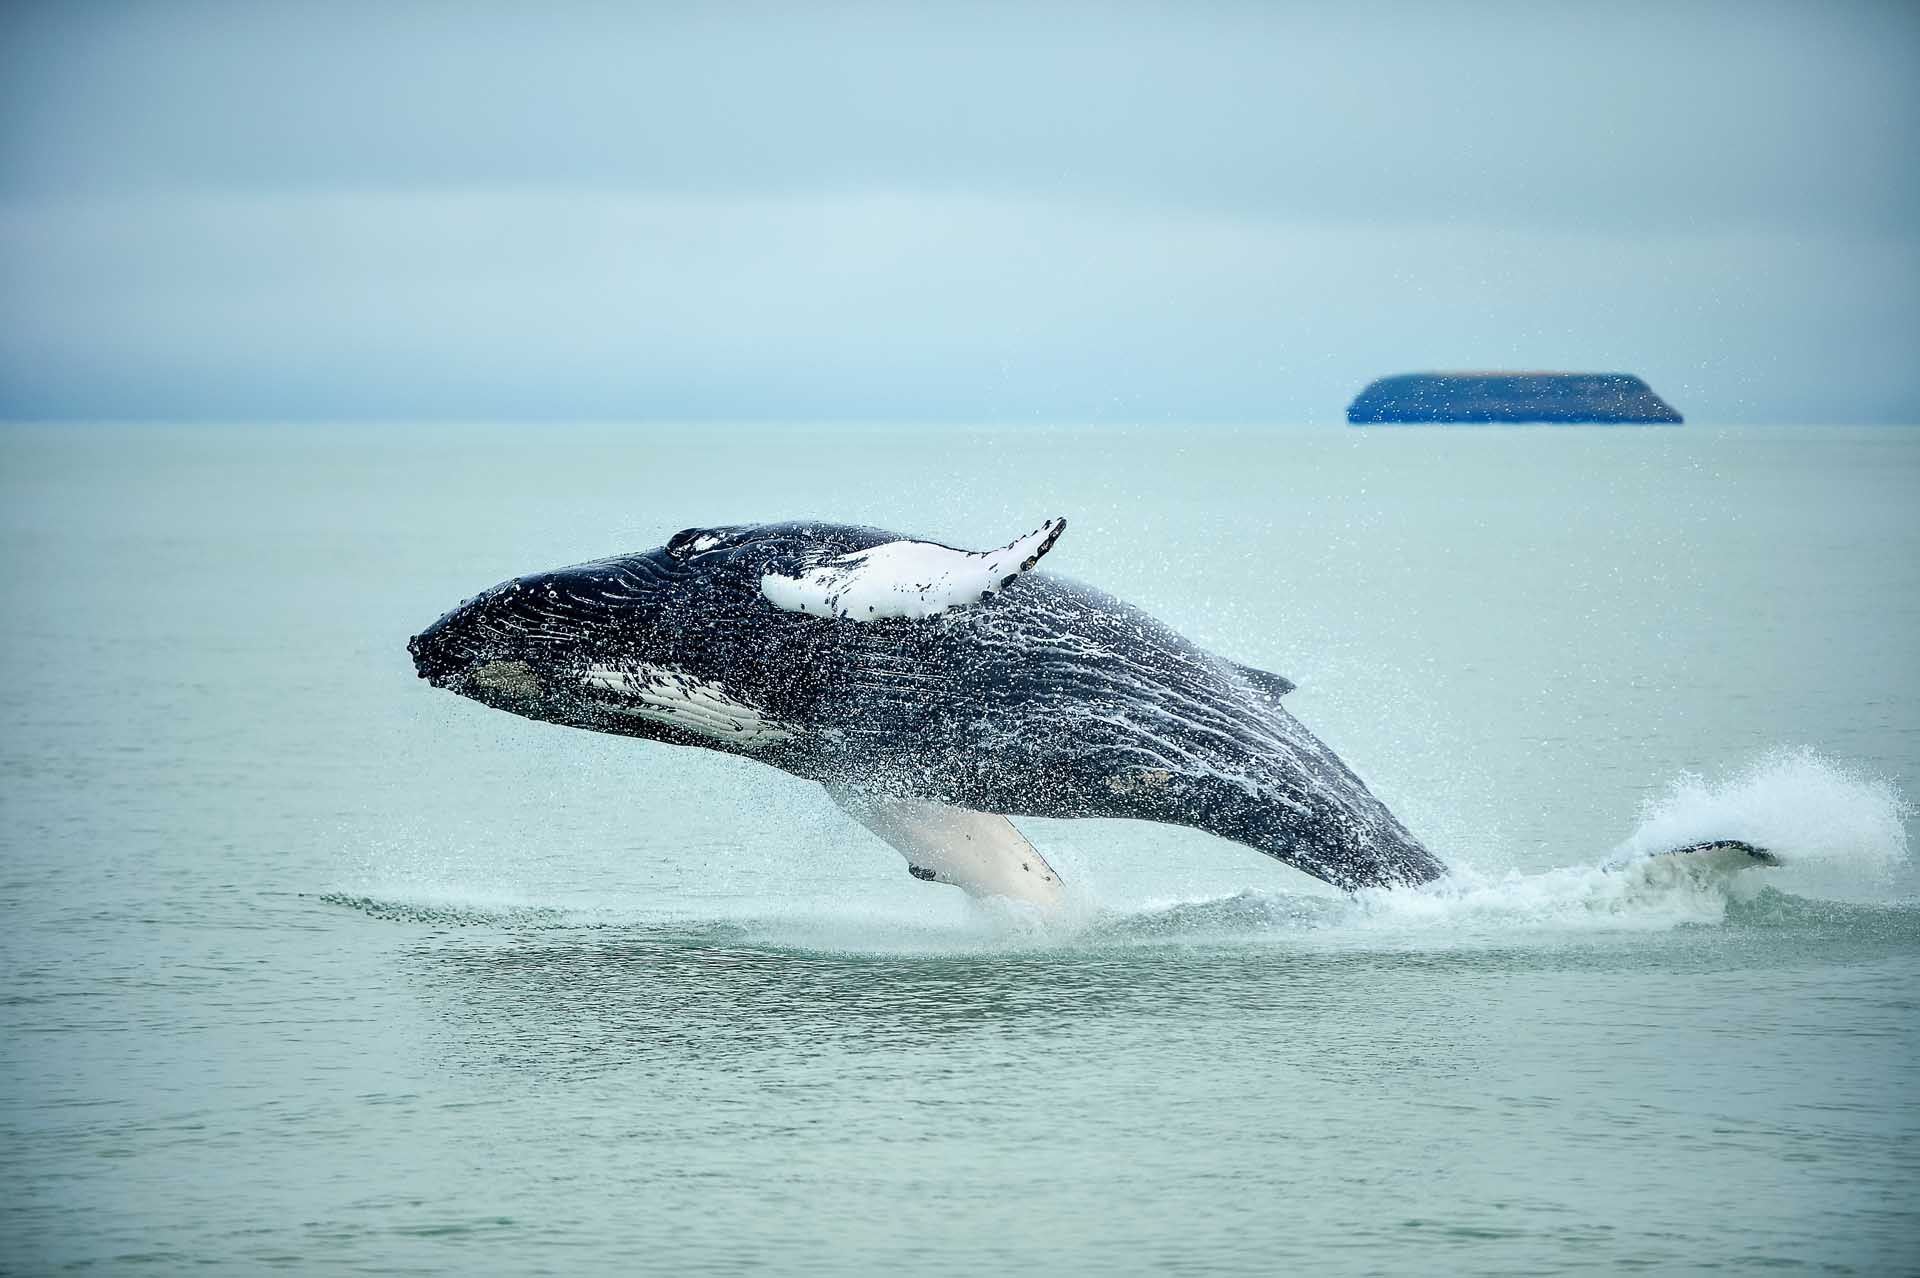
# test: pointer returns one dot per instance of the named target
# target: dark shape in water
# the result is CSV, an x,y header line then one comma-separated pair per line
x,y
1510,397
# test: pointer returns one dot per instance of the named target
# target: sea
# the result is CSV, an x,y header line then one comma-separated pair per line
x,y
311,967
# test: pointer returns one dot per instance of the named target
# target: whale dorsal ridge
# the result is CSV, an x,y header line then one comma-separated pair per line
x,y
1265,681
912,579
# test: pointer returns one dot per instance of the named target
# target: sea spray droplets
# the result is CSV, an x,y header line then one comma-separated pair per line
x,y
397,908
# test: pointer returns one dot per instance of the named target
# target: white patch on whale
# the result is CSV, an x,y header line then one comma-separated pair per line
x,y
979,852
911,579
665,694
514,677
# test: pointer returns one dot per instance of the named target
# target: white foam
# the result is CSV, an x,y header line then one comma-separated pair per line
x,y
1575,898
1839,835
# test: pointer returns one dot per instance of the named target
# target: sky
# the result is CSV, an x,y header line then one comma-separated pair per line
x,y
967,212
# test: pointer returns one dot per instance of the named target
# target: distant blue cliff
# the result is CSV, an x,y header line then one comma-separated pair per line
x,y
1509,397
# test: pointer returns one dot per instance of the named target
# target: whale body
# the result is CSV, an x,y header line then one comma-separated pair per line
x,y
933,691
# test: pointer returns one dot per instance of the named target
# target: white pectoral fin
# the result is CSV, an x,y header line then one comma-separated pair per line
x,y
912,579
979,852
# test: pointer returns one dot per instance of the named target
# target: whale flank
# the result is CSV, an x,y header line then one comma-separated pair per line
x,y
670,696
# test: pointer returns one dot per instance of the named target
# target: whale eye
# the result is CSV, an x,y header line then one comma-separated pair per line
x,y
692,541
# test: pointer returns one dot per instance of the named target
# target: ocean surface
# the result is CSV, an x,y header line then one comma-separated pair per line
x,y
310,966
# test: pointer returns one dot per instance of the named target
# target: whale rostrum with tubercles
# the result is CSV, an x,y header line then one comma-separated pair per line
x,y
934,692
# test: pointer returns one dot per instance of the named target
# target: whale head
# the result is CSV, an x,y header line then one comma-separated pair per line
x,y
646,644
517,644
715,638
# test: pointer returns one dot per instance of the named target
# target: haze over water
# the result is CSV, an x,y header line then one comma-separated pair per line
x,y
308,964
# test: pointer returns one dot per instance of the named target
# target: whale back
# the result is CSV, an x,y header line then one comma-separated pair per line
x,y
1056,699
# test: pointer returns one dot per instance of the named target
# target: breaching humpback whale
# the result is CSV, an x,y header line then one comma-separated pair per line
x,y
933,691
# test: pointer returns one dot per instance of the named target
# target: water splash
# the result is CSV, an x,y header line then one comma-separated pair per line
x,y
1837,831
450,908
1840,836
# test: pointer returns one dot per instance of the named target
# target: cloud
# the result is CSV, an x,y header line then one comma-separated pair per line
x,y
1632,115
949,210
514,303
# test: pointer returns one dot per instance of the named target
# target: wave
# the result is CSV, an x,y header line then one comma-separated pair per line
x,y
1841,837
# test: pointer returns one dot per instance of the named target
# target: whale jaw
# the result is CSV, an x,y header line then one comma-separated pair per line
x,y
673,698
